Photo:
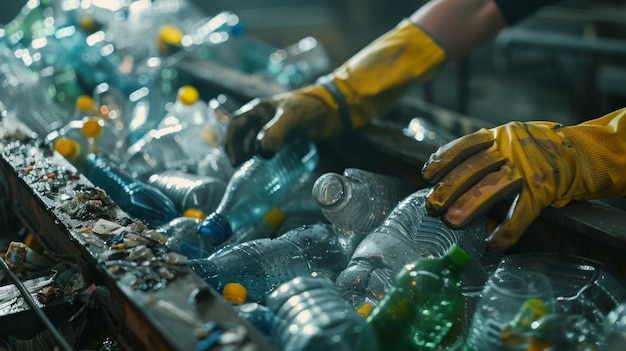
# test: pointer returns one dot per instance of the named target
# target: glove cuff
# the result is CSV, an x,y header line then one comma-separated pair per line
x,y
366,85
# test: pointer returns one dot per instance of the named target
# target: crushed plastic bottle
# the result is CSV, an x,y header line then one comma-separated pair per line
x,y
408,232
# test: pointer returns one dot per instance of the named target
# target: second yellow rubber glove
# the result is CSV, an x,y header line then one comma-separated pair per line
x,y
361,89
542,163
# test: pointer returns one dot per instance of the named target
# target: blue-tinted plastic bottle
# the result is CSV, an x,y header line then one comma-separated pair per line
x,y
257,186
131,195
262,264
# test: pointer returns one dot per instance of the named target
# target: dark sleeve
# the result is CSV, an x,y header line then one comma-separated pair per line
x,y
514,11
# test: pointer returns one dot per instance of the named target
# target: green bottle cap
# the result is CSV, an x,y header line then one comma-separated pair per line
x,y
459,256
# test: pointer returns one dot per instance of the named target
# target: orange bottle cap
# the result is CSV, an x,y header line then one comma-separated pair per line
x,y
67,147
194,213
92,127
235,293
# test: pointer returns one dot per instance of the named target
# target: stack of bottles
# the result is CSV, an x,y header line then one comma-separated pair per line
x,y
346,261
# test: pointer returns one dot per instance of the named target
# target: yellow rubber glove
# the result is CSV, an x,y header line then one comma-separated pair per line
x,y
542,163
361,89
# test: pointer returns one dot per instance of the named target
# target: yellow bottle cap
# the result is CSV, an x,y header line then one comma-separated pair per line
x,y
67,147
88,24
274,217
365,309
188,95
194,213
92,127
169,35
235,293
85,103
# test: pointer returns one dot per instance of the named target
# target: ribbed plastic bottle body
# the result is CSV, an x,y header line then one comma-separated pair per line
x,y
311,316
182,237
261,265
134,197
358,200
257,186
408,232
421,307
189,190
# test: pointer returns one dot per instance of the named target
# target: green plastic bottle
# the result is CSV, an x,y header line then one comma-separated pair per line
x,y
423,305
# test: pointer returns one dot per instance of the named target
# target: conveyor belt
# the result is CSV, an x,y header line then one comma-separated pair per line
x,y
172,317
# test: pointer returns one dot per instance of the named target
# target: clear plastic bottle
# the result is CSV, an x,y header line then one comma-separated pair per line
x,y
71,143
298,63
299,207
614,328
57,77
509,302
265,227
311,316
150,103
261,265
189,190
182,237
408,232
133,196
113,105
358,199
80,137
258,185
22,94
423,304
216,164
188,109
157,151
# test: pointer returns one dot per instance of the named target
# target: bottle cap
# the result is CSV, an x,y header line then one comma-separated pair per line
x,y
88,24
169,35
216,228
188,95
67,147
92,127
84,103
365,310
235,293
328,189
458,255
274,217
194,213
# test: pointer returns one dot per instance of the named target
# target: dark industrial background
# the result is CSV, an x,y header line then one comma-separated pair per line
x,y
565,63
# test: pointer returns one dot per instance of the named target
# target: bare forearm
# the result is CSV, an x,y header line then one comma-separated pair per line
x,y
460,25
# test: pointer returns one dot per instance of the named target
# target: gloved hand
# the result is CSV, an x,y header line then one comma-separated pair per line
x,y
542,163
361,89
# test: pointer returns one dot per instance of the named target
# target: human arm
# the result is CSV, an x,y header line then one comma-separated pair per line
x,y
367,85
539,164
